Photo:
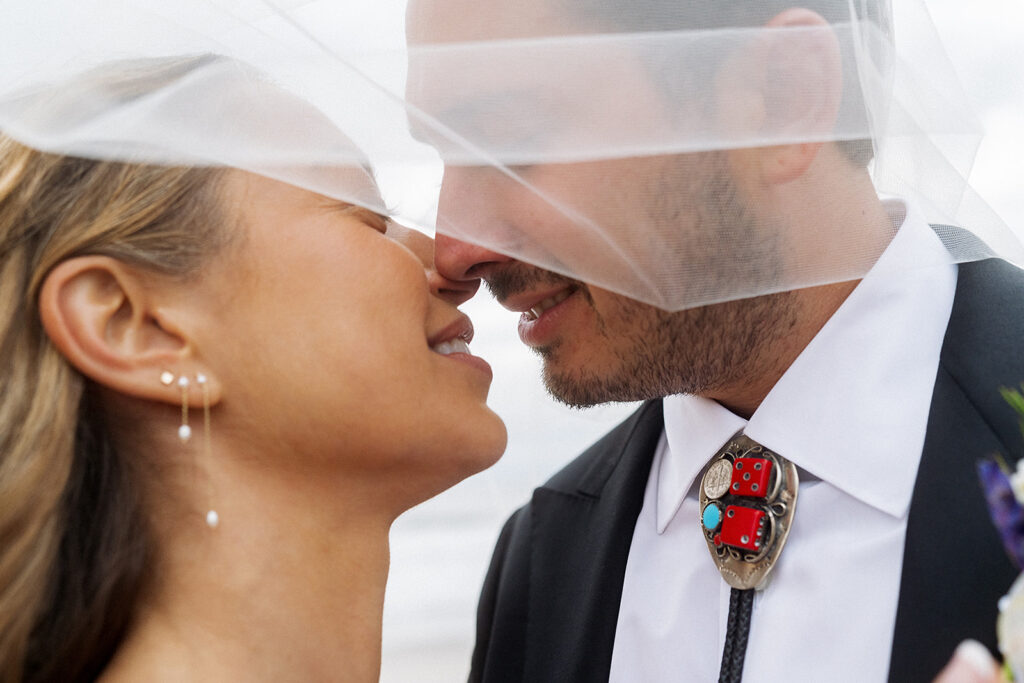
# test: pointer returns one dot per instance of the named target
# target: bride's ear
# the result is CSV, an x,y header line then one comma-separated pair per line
x,y
115,326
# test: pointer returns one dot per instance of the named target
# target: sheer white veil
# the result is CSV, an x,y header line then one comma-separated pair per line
x,y
580,110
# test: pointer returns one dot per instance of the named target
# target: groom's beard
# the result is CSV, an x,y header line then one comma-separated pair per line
x,y
650,353
656,353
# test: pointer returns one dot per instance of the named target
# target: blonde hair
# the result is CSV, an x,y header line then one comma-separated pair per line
x,y
73,545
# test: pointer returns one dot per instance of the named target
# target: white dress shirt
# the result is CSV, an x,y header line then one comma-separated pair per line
x,y
851,413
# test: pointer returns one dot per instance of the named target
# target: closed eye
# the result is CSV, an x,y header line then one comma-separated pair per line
x,y
377,221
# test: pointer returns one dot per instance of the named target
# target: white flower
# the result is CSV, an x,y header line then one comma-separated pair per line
x,y
1010,628
1017,482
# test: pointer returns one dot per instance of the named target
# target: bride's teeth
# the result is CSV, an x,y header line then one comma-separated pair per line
x,y
451,346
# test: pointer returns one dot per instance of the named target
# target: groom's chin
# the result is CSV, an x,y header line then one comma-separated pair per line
x,y
583,389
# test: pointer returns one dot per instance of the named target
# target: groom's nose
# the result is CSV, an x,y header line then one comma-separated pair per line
x,y
454,291
460,261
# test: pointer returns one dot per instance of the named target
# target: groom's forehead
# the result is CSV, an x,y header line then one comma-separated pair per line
x,y
521,103
451,21
472,90
448,21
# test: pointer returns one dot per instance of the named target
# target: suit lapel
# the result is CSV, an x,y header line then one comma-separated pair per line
x,y
582,530
954,566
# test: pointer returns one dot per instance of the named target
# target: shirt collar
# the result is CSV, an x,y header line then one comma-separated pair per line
x,y
853,407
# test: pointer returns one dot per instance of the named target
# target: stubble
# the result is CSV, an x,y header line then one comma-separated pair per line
x,y
651,353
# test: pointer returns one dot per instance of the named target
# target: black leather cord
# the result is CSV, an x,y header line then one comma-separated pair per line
x,y
737,629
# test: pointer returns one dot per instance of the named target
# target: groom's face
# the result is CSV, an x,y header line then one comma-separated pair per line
x,y
597,345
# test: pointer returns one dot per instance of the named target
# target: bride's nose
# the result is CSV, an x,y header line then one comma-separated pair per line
x,y
454,292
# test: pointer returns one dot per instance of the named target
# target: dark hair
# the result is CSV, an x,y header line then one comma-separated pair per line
x,y
677,15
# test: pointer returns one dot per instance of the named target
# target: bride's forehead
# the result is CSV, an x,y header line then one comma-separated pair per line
x,y
342,185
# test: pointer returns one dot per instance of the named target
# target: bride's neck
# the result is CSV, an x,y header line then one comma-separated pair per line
x,y
289,586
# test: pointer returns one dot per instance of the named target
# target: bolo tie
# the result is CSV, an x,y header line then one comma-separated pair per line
x,y
747,500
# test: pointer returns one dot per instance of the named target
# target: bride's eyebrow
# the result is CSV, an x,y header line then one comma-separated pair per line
x,y
374,218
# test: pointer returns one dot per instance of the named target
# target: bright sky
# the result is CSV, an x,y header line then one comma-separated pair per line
x,y
983,40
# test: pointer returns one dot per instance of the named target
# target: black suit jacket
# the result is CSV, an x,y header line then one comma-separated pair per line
x,y
550,601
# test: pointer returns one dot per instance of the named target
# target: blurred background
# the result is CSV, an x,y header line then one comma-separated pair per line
x,y
440,550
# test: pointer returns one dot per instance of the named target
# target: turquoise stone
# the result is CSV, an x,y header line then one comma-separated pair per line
x,y
712,516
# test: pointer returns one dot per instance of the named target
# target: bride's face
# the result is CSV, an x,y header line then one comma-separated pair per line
x,y
323,326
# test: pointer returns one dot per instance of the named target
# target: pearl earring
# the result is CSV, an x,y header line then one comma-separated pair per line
x,y
167,378
212,518
184,431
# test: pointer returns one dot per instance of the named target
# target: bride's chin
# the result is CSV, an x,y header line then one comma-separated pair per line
x,y
467,453
479,446
494,440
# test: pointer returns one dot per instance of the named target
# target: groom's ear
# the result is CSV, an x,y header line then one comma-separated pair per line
x,y
785,84
115,325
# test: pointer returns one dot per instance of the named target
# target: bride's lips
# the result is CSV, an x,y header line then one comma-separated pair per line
x,y
542,313
452,342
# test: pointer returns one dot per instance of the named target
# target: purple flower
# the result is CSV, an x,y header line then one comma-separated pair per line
x,y
1007,513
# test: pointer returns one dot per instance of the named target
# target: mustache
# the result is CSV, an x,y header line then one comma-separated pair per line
x,y
513,278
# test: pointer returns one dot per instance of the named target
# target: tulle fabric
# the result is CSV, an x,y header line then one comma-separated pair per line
x,y
590,138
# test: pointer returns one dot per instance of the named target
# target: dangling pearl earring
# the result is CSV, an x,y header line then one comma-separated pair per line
x,y
212,518
167,378
184,431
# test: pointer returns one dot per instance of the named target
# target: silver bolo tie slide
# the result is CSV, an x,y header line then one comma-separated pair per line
x,y
747,501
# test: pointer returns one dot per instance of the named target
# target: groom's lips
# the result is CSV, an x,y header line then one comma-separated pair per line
x,y
542,312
